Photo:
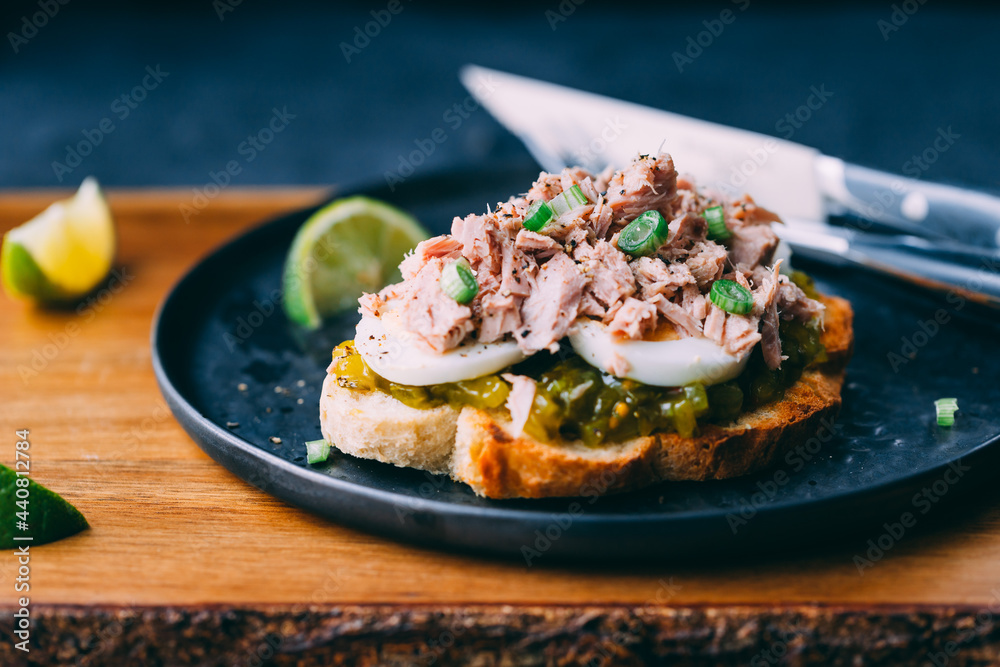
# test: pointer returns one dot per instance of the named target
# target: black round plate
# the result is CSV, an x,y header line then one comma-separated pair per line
x,y
245,385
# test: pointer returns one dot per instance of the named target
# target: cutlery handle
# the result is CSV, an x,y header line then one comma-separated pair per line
x,y
919,207
972,276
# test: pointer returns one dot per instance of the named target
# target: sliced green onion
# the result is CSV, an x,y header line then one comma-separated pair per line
x,y
538,215
946,408
317,451
717,230
458,282
644,235
568,200
731,297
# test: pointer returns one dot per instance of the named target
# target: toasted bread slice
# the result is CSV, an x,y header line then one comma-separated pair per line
x,y
477,446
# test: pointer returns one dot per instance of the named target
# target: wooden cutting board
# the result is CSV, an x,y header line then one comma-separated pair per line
x,y
186,564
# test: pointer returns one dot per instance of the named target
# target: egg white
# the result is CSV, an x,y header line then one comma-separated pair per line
x,y
388,349
661,363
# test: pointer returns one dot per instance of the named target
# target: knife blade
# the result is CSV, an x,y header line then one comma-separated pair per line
x,y
561,125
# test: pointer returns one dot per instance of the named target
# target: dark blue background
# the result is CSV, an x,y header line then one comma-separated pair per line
x,y
354,120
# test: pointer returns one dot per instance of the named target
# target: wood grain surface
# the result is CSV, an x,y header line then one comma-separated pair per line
x,y
174,533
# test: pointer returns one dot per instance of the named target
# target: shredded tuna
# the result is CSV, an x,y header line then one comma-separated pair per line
x,y
519,400
707,262
610,276
545,187
766,306
654,277
752,246
601,217
685,231
552,306
370,305
694,302
500,315
538,244
444,246
617,365
534,285
715,323
648,183
740,334
602,179
435,320
588,189
677,315
478,236
634,319
746,211
794,304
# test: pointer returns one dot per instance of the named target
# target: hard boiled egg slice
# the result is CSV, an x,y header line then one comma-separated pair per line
x,y
388,349
662,363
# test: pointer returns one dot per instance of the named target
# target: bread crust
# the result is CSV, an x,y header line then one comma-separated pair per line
x,y
477,447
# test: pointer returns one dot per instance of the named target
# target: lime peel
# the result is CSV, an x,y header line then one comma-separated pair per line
x,y
50,517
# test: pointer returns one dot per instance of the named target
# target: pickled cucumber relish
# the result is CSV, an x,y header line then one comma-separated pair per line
x,y
574,400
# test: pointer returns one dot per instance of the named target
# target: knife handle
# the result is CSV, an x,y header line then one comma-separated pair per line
x,y
971,276
919,207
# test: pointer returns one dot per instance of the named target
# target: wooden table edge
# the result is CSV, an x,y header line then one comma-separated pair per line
x,y
491,633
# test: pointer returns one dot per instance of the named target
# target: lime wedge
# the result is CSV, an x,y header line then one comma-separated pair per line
x,y
40,514
64,252
351,246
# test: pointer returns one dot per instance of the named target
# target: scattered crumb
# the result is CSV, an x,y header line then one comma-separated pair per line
x,y
300,383
278,390
232,424
300,401
267,409
242,386
975,370
275,439
661,500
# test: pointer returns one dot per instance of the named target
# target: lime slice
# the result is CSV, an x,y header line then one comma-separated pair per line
x,y
64,252
351,246
40,514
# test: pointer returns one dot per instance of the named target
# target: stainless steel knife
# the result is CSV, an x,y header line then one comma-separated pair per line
x,y
555,122
561,126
